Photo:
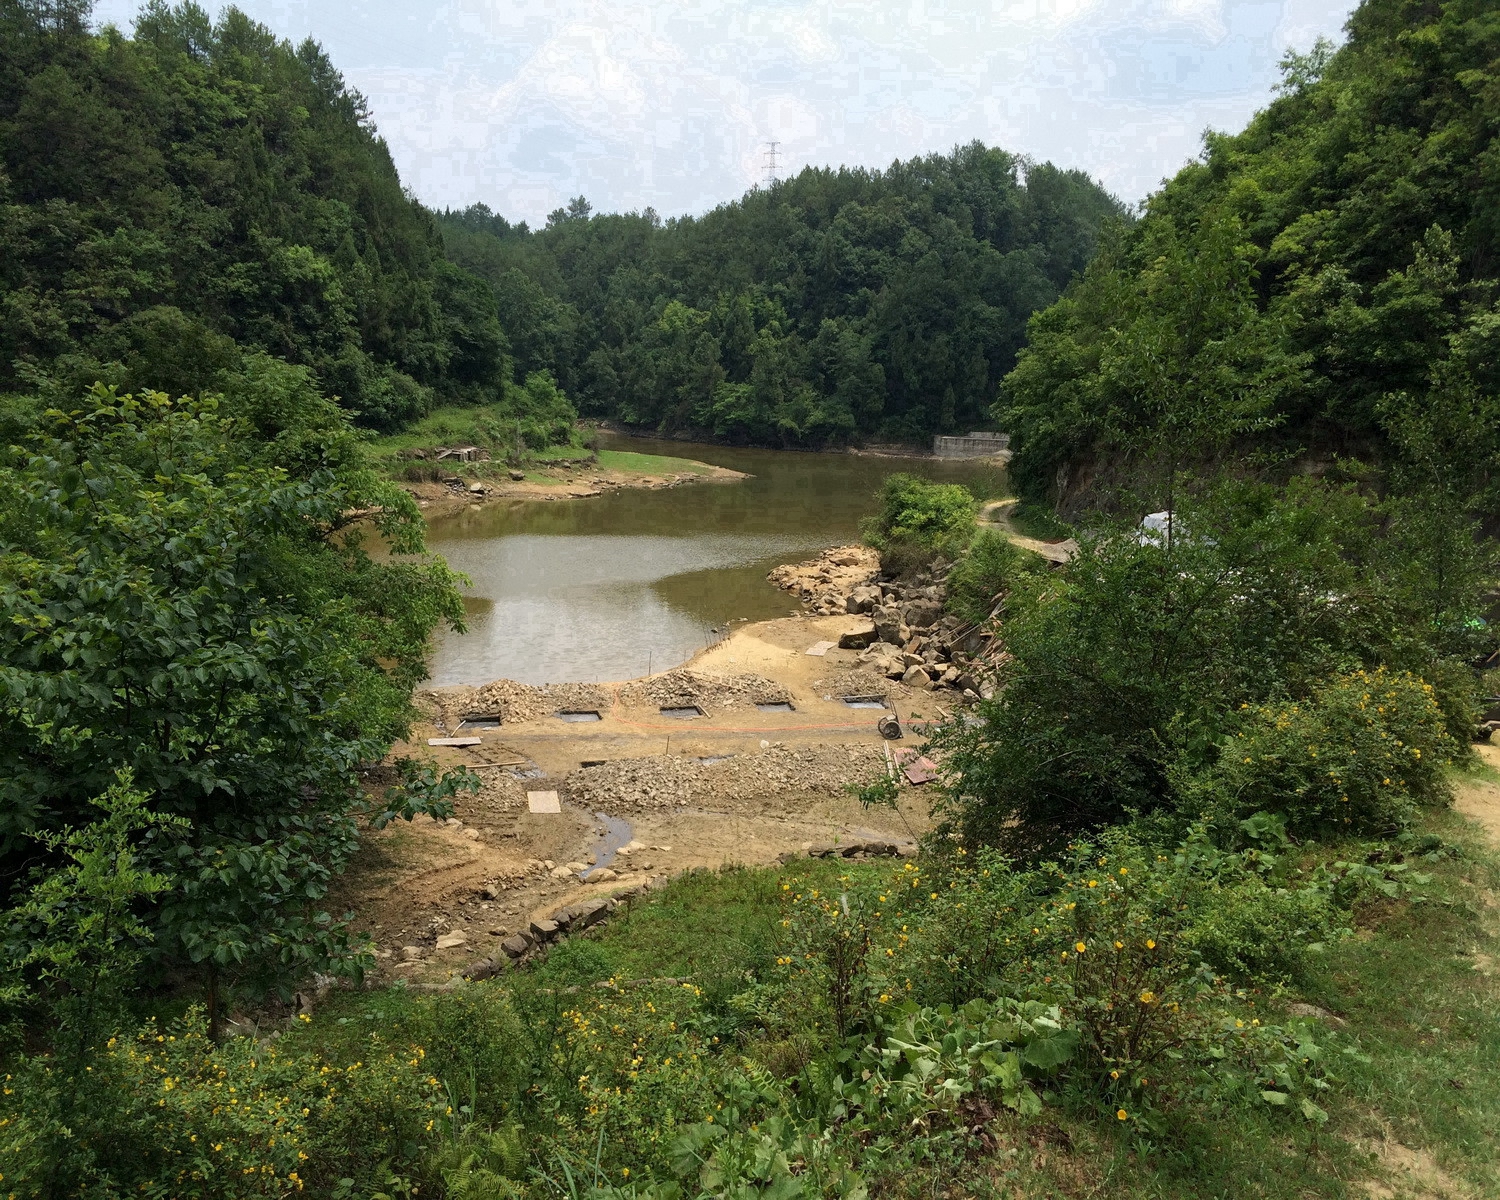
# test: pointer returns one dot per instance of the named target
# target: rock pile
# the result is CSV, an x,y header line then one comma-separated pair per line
x,y
671,781
909,636
683,687
512,702
824,583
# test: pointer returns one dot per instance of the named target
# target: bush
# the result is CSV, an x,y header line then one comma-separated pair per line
x,y
169,1113
1361,756
934,516
1122,673
990,567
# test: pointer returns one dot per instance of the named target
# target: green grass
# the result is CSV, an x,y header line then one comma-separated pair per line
x,y
1038,521
650,464
450,426
1415,1063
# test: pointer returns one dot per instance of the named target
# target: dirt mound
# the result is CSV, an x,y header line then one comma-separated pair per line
x,y
684,687
667,781
512,702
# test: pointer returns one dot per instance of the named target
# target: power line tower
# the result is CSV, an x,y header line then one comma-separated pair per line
x,y
771,164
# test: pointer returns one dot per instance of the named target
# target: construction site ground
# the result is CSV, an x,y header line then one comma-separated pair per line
x,y
735,785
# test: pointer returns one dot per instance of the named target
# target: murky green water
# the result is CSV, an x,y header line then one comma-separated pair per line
x,y
606,587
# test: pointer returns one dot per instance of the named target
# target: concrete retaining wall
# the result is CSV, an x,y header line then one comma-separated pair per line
x,y
975,445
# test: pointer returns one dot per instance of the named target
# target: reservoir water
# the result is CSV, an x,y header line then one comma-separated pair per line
x,y
605,587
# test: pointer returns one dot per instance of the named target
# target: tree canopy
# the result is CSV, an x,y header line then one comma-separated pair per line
x,y
171,201
1321,285
837,304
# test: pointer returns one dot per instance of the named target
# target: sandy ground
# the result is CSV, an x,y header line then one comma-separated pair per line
x,y
562,482
774,783
1479,799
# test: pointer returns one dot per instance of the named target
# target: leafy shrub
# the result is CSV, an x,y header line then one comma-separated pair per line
x,y
988,569
1362,755
1122,673
175,1115
933,516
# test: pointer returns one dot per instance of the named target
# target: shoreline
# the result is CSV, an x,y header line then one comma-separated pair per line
x,y
760,770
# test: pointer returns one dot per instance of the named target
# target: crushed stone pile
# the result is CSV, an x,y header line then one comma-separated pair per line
x,y
513,702
668,781
684,687
860,683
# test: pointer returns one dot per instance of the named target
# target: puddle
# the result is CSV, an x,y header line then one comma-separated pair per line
x,y
617,833
579,716
865,701
478,723
683,712
776,706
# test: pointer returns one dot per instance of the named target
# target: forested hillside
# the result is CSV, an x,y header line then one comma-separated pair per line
x,y
1320,285
838,304
176,203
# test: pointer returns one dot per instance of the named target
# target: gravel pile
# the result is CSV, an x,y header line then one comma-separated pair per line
x,y
861,683
669,781
684,687
513,702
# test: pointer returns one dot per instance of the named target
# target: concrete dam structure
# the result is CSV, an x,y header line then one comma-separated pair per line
x,y
972,445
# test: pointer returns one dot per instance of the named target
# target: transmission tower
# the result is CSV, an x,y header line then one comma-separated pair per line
x,y
771,163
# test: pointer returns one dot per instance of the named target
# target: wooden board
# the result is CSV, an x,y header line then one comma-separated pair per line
x,y
457,741
917,768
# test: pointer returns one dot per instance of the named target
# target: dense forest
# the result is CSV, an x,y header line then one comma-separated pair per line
x,y
839,304
1318,287
177,204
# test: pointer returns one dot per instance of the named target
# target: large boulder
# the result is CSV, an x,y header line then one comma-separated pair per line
x,y
862,599
857,639
889,627
916,677
516,945
920,614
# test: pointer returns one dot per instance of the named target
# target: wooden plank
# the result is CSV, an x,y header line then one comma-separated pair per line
x,y
455,741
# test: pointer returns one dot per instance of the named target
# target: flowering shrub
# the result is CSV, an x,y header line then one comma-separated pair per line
x,y
1361,756
178,1116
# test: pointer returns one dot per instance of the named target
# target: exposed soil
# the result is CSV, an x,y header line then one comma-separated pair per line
x,y
734,785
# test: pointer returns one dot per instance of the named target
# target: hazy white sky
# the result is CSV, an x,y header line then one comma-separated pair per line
x,y
524,104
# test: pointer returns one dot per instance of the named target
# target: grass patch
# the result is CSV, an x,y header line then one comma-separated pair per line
x,y
650,464
1411,1069
1040,522
455,425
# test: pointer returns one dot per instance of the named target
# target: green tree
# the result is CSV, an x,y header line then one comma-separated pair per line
x,y
174,606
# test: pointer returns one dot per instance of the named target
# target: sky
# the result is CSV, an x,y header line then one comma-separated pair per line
x,y
671,103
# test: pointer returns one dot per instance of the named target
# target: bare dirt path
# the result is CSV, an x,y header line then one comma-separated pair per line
x,y
996,515
1479,799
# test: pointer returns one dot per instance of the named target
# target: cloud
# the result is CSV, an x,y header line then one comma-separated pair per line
x,y
669,103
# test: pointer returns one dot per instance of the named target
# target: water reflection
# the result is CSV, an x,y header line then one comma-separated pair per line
x,y
600,589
